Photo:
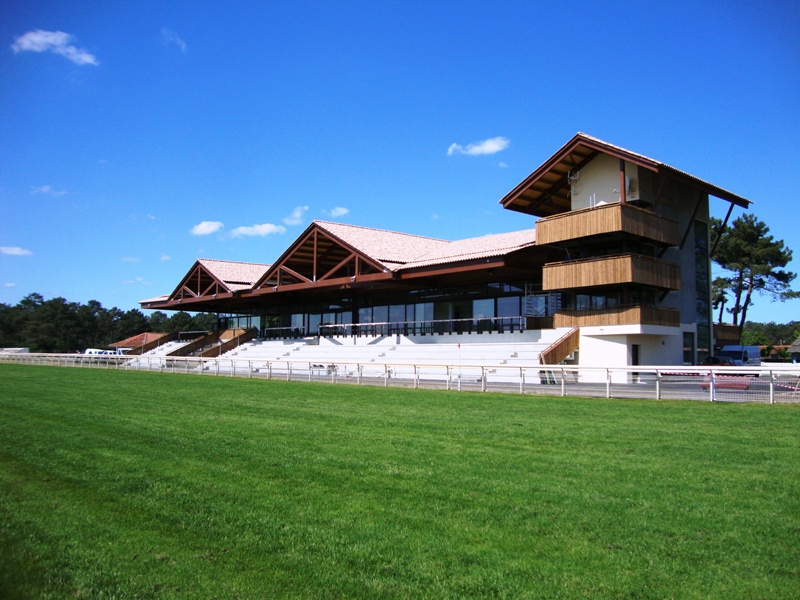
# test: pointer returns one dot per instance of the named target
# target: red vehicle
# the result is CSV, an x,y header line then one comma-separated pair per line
x,y
718,361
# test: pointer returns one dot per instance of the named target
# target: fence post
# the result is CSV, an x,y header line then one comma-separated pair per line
x,y
658,385
483,379
712,385
771,387
563,383
521,380
608,382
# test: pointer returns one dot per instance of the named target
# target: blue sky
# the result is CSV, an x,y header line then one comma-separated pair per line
x,y
136,137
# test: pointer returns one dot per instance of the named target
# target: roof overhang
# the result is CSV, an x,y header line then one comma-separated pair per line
x,y
545,192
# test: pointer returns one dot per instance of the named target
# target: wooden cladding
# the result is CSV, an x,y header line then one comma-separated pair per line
x,y
611,270
726,334
562,347
606,219
628,315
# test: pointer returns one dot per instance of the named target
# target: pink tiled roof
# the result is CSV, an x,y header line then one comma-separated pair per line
x,y
485,246
138,340
235,275
390,248
400,251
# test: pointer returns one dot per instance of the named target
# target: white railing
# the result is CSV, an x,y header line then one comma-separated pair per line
x,y
775,383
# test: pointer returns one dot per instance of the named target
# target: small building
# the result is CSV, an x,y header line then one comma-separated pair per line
x,y
794,351
137,341
618,258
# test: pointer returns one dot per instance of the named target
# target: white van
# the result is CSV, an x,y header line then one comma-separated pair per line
x,y
746,356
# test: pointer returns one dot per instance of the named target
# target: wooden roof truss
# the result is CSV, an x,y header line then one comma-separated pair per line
x,y
318,258
198,283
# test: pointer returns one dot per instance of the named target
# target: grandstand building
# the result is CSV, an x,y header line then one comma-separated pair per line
x,y
615,272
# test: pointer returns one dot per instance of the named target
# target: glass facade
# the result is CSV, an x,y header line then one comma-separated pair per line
x,y
703,290
489,301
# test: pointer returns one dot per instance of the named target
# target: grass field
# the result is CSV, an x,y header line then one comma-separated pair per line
x,y
123,485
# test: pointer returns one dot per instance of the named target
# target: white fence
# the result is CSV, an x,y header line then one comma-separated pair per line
x,y
772,384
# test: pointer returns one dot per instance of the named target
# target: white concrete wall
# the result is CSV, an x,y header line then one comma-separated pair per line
x,y
601,178
537,336
612,347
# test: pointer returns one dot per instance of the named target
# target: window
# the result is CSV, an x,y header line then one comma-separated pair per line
x,y
397,313
380,314
688,348
483,309
508,307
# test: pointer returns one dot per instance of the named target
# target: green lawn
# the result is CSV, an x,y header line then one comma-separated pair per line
x,y
121,484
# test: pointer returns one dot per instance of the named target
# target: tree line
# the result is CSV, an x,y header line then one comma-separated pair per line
x,y
57,325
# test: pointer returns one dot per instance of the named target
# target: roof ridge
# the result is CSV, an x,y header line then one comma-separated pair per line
x,y
235,262
477,237
424,237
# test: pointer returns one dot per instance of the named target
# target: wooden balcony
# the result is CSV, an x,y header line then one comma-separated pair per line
x,y
607,219
726,334
611,270
623,315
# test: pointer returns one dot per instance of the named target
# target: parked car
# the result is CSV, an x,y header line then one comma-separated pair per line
x,y
719,361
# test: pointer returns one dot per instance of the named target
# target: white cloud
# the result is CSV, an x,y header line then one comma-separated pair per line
x,y
165,257
9,285
490,146
206,228
502,165
130,259
15,251
338,211
265,229
170,37
49,190
297,216
137,281
56,42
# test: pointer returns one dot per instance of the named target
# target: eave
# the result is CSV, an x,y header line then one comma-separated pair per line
x,y
545,192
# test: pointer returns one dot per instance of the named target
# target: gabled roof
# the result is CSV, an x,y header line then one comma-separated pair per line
x,y
390,248
545,192
334,255
211,278
234,275
795,347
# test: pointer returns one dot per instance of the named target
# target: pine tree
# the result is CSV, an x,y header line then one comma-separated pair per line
x,y
756,262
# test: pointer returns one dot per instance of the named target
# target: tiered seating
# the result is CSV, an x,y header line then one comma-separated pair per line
x,y
165,349
392,357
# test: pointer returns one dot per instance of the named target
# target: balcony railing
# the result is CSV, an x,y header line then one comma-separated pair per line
x,y
619,315
431,327
606,219
438,327
611,270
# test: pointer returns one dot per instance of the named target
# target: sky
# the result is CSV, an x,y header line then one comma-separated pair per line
x,y
137,137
